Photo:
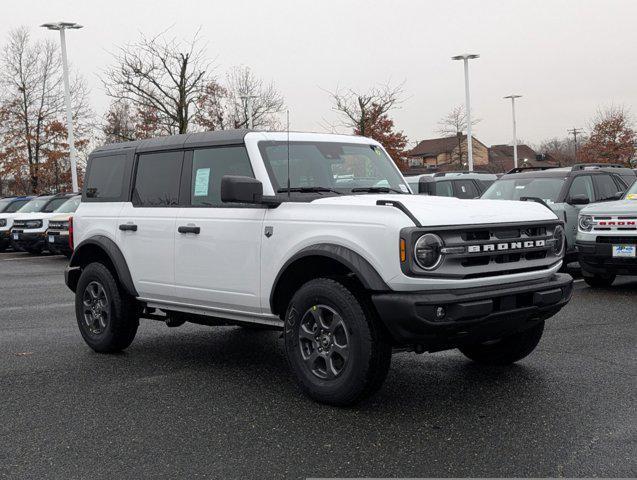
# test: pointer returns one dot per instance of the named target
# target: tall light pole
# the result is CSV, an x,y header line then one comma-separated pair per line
x,y
575,132
61,27
248,99
515,137
465,57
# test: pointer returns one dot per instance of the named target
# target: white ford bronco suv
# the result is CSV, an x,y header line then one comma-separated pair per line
x,y
607,240
317,235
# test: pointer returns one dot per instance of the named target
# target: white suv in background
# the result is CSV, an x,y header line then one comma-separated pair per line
x,y
28,232
314,234
607,240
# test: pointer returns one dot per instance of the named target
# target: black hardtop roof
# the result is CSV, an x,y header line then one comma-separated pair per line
x,y
189,140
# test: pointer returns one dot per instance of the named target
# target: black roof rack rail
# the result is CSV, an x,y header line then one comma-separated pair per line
x,y
464,172
582,166
525,169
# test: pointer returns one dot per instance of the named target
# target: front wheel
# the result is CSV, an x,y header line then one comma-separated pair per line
x,y
106,316
334,344
507,350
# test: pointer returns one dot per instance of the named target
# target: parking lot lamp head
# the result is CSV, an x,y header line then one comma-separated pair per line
x,y
465,57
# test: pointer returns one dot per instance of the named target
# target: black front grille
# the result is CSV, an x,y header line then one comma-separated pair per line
x,y
486,250
617,240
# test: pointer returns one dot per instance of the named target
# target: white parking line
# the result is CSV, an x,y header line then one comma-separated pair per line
x,y
56,257
35,307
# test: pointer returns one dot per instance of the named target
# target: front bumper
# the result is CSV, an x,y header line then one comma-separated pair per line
x,y
597,258
5,238
471,315
27,240
59,242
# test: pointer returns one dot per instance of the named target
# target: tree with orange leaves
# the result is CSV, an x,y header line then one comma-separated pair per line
x,y
612,138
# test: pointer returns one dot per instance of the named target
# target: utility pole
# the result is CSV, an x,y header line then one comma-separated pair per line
x,y
575,132
515,137
465,57
249,99
61,27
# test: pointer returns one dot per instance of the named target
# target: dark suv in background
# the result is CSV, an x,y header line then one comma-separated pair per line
x,y
451,184
565,190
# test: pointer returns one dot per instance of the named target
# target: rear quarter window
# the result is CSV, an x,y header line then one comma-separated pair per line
x,y
105,178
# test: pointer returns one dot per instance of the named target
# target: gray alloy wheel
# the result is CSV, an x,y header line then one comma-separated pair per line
x,y
96,308
324,342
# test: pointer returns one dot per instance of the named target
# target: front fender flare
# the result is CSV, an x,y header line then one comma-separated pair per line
x,y
363,270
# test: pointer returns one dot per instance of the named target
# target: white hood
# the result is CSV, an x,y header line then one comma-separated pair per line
x,y
431,210
620,207
34,216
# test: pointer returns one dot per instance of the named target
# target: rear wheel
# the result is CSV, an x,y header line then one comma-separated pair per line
x,y
334,344
599,280
506,350
106,315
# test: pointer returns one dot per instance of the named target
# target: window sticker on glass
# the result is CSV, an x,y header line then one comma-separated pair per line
x,y
202,179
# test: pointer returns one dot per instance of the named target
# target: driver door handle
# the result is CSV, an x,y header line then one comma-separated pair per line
x,y
189,229
128,227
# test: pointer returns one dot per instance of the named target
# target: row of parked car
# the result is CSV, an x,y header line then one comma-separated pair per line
x,y
597,202
36,224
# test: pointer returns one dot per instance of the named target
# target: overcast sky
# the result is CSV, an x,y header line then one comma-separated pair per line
x,y
566,58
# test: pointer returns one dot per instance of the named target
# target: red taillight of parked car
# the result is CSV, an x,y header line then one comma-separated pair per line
x,y
71,233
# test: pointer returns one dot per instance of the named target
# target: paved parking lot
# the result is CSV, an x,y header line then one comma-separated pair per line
x,y
218,402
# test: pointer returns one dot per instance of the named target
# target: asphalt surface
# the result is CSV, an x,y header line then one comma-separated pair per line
x,y
205,402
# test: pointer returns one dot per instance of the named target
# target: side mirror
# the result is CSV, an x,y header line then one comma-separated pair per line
x,y
618,196
426,187
236,189
578,200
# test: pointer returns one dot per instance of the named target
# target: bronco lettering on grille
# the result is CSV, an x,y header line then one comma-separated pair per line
x,y
493,247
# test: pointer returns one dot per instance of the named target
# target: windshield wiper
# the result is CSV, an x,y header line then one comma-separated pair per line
x,y
377,190
308,190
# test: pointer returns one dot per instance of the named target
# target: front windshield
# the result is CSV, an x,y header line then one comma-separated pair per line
x,y
70,205
35,205
4,204
545,188
341,167
15,206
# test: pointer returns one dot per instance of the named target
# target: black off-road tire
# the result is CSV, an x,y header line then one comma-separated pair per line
x,y
369,355
123,320
507,350
597,281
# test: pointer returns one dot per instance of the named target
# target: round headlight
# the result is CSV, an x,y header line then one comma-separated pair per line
x,y
427,251
3,222
558,240
585,223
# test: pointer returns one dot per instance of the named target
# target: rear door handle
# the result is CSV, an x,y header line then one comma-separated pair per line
x,y
128,227
189,229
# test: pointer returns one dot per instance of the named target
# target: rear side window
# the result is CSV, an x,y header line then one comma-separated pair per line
x,y
209,165
606,187
106,177
444,189
466,189
157,179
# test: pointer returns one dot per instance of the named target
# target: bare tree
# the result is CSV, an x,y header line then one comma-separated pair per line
x,y
160,74
455,122
32,105
243,86
357,108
